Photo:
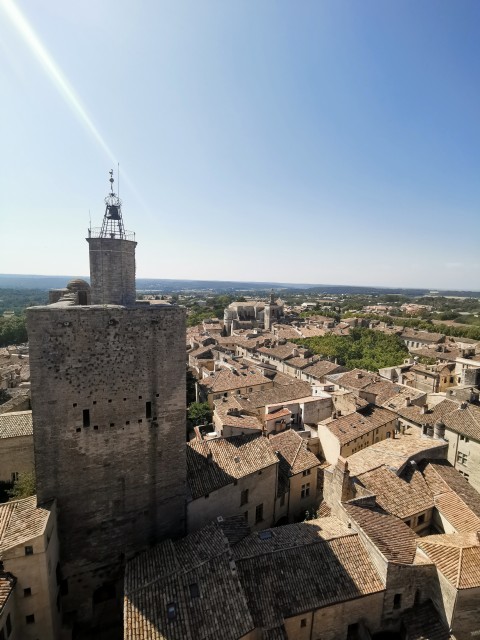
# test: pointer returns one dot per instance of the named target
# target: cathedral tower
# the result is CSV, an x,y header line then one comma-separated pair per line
x,y
108,400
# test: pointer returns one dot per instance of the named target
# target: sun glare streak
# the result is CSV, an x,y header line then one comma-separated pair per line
x,y
48,64
66,90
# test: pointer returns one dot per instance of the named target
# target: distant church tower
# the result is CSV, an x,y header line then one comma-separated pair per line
x,y
108,400
269,317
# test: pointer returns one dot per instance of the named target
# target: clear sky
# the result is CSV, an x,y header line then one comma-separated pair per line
x,y
329,141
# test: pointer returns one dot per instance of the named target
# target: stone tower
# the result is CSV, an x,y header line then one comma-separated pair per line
x,y
112,256
108,400
268,315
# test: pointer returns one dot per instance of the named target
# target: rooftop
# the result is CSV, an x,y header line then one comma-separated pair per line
x,y
21,521
395,495
393,538
355,379
457,556
212,464
167,589
276,395
16,424
395,453
294,455
354,425
228,379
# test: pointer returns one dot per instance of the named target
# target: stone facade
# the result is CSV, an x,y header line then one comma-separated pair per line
x,y
112,270
108,396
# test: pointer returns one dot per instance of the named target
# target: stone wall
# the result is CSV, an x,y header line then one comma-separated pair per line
x,y
108,399
112,271
16,456
227,501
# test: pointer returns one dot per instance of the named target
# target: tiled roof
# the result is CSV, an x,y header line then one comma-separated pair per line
x,y
276,395
447,354
280,351
430,417
235,528
424,623
393,538
457,557
216,591
185,590
395,495
441,477
15,424
236,418
395,453
322,368
294,455
354,425
465,421
300,363
291,536
284,582
398,401
459,515
356,379
383,390
422,336
21,521
212,464
226,380
276,415
7,584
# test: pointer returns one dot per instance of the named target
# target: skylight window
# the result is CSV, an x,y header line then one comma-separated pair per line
x,y
265,535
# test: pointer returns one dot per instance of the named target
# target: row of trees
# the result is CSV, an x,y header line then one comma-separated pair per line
x,y
362,348
472,332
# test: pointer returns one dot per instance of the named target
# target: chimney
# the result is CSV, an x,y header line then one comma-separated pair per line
x,y
209,457
198,433
423,409
463,405
439,430
359,375
408,402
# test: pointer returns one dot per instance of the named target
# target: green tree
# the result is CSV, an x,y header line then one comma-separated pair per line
x,y
362,348
23,487
13,330
199,412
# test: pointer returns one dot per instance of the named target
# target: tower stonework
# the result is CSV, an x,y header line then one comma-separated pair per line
x,y
109,407
112,270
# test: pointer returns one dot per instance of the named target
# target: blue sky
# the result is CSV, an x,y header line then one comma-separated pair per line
x,y
326,141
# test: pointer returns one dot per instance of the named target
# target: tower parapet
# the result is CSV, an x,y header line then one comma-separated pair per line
x,y
112,256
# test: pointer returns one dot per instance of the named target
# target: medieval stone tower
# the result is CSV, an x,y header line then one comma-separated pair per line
x,y
108,400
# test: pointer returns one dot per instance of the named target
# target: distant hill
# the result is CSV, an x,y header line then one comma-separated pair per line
x,y
15,281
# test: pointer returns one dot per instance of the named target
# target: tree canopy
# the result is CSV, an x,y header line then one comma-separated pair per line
x,y
362,348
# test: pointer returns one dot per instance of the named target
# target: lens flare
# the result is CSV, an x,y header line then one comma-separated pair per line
x,y
62,85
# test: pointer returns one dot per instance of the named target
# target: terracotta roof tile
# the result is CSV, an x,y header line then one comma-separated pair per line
x,y
276,395
22,520
294,455
7,584
424,623
393,538
166,589
395,453
395,495
354,425
16,424
457,557
212,464
286,582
